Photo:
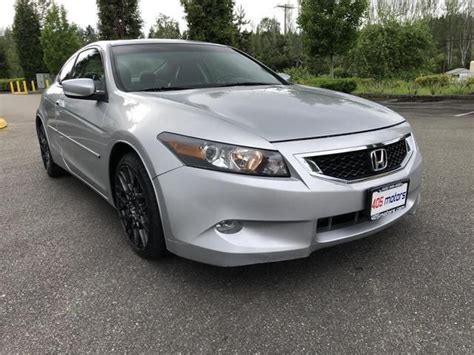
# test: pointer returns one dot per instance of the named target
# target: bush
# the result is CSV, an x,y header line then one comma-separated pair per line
x,y
344,85
341,73
469,82
298,74
5,83
433,82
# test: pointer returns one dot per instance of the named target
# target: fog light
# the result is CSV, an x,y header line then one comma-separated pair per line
x,y
229,227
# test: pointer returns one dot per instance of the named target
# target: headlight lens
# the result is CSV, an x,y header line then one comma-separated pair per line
x,y
219,156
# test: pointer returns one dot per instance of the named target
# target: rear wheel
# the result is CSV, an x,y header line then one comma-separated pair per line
x,y
138,208
51,167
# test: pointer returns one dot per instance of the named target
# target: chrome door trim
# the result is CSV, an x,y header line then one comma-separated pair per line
x,y
97,155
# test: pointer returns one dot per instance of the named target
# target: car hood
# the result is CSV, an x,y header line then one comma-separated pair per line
x,y
280,113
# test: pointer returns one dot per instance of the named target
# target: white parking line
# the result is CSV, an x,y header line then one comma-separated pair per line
x,y
464,114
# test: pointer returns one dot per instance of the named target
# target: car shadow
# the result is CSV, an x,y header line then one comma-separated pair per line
x,y
348,260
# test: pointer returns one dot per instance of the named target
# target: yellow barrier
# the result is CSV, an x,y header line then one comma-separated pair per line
x,y
19,85
18,88
47,83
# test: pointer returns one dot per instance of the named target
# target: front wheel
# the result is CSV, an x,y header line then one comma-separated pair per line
x,y
138,209
51,167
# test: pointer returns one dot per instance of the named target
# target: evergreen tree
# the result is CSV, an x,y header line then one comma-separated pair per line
x,y
58,38
26,32
210,20
119,19
3,58
241,37
42,7
269,45
14,69
89,35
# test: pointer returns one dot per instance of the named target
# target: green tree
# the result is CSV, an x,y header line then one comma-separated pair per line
x,y
453,31
42,7
330,27
3,58
26,32
58,38
119,19
393,50
269,45
210,20
241,37
13,68
88,35
165,27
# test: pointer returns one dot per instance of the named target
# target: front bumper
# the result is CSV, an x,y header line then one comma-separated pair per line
x,y
279,216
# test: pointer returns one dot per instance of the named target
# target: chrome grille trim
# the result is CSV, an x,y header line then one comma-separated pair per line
x,y
302,158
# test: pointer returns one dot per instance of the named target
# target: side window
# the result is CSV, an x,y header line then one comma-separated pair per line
x,y
89,65
66,70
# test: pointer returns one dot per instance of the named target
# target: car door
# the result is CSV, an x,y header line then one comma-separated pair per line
x,y
51,112
80,123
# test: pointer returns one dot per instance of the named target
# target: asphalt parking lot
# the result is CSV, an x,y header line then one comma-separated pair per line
x,y
70,283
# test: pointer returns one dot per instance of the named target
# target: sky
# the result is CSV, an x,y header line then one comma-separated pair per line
x,y
84,12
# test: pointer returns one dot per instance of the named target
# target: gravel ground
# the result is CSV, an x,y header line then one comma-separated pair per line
x,y
70,283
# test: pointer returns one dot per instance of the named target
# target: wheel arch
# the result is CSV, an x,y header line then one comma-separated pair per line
x,y
39,120
119,149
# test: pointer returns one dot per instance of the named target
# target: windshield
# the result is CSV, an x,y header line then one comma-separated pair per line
x,y
174,66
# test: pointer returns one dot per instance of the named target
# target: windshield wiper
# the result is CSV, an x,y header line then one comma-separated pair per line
x,y
164,88
249,83
173,88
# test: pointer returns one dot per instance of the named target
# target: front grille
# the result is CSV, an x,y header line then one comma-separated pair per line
x,y
357,164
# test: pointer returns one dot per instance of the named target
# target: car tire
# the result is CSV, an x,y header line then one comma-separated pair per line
x,y
51,167
138,208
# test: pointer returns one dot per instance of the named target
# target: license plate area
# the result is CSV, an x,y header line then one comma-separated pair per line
x,y
387,199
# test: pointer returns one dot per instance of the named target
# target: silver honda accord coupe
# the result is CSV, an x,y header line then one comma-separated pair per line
x,y
209,154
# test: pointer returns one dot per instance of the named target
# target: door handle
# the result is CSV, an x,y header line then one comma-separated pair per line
x,y
60,103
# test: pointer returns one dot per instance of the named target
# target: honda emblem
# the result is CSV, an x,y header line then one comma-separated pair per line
x,y
379,159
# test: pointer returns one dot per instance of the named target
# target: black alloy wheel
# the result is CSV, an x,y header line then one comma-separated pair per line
x,y
51,167
137,208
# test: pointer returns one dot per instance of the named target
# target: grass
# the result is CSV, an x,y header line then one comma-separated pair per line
x,y
400,87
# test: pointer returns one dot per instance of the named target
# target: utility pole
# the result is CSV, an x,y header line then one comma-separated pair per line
x,y
286,8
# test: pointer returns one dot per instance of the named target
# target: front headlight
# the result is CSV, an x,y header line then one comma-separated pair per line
x,y
205,154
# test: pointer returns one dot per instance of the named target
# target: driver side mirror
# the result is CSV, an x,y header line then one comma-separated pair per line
x,y
285,76
84,89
